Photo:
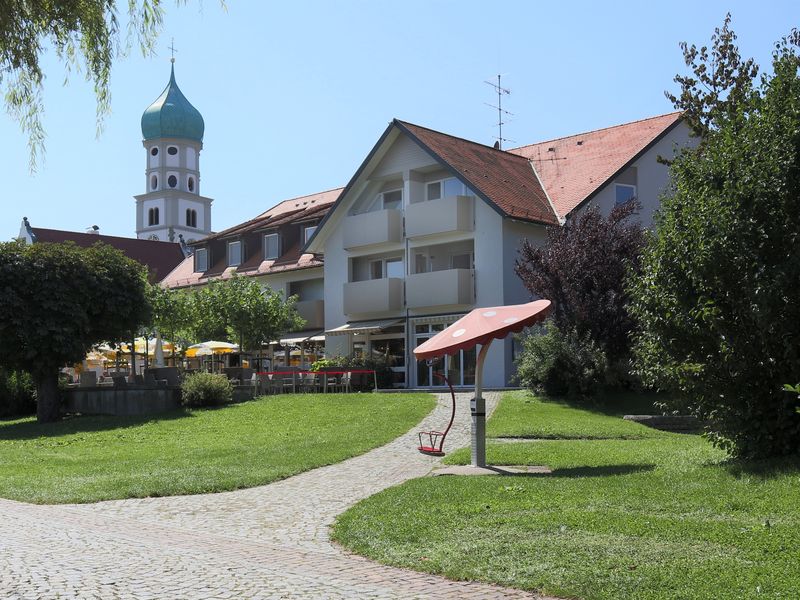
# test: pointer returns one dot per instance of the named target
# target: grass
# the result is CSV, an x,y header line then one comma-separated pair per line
x,y
87,459
647,515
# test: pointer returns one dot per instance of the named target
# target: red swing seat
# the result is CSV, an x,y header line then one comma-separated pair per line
x,y
435,439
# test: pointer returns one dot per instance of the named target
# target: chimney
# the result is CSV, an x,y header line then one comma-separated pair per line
x,y
94,230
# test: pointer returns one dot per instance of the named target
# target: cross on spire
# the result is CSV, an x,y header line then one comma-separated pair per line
x,y
172,49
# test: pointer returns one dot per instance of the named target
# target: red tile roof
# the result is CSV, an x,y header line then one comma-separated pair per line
x,y
573,168
159,257
507,181
295,210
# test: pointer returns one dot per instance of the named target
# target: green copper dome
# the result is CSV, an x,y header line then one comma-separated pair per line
x,y
171,115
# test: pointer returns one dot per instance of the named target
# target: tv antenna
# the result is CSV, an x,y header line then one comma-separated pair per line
x,y
500,90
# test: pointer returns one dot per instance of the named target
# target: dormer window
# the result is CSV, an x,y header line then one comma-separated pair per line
x,y
272,246
624,193
234,254
308,231
201,260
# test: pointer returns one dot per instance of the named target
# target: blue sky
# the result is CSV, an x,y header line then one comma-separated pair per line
x,y
294,94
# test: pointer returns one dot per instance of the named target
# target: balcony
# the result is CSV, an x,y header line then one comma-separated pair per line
x,y
369,229
445,215
373,296
440,288
313,311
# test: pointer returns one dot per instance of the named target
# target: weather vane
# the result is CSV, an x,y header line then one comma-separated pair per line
x,y
172,50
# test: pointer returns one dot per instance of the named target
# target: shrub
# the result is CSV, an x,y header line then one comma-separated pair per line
x,y
17,396
562,363
380,365
582,270
206,389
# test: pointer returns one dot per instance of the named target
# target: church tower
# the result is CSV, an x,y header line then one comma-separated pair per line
x,y
172,132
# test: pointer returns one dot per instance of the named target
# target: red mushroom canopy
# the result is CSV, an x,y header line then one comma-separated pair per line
x,y
481,326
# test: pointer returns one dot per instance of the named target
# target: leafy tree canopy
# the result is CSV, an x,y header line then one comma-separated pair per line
x,y
57,300
84,35
718,301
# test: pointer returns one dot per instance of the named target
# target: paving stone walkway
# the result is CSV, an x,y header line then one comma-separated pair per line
x,y
266,542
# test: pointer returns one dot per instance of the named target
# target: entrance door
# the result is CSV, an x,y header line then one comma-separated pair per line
x,y
459,368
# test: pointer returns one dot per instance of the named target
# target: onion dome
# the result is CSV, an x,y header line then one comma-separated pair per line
x,y
172,116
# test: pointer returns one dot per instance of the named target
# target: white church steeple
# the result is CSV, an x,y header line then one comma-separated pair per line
x,y
172,132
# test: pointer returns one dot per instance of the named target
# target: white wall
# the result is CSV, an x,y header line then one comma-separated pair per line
x,y
652,176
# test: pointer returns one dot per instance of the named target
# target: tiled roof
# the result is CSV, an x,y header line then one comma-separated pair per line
x,y
507,181
573,168
159,257
295,210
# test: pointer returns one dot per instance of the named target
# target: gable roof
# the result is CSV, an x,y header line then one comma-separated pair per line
x,y
574,168
506,181
159,257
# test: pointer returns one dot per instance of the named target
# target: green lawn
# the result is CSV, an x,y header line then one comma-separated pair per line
x,y
642,515
87,459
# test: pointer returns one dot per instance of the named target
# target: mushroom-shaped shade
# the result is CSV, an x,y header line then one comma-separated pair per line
x,y
481,326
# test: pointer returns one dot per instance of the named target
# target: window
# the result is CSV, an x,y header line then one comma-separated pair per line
x,y
272,246
389,200
422,263
394,267
201,260
234,254
624,193
154,151
308,231
172,181
444,188
153,182
461,261
172,150
190,184
191,217
386,267
152,216
376,269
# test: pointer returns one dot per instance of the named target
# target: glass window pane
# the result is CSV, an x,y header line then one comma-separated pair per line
x,y
421,329
394,267
437,327
624,193
234,254
421,264
308,232
392,200
468,358
461,261
434,190
271,247
376,269
423,370
201,260
453,187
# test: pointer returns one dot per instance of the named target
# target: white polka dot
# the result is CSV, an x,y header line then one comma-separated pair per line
x,y
459,332
490,313
511,320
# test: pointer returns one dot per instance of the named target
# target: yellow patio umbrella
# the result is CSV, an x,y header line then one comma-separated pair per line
x,y
209,348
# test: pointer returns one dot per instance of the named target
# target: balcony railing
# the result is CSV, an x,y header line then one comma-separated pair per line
x,y
445,215
440,288
372,228
373,296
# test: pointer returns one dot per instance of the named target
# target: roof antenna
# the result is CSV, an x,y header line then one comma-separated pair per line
x,y
500,111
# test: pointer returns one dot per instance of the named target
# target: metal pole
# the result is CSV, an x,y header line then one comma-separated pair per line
x,y
478,409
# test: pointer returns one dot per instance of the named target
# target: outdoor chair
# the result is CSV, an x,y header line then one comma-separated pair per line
x,y
343,383
310,383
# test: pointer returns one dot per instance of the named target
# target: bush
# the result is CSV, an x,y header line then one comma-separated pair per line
x,y
717,301
17,396
206,389
559,363
380,365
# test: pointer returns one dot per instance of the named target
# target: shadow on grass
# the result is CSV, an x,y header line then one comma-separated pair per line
x,y
579,472
613,403
28,430
764,469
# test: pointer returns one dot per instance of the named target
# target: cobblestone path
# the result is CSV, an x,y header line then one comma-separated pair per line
x,y
266,542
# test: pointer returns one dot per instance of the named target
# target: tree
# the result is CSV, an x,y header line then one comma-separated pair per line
x,y
56,301
240,310
581,269
171,311
717,301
